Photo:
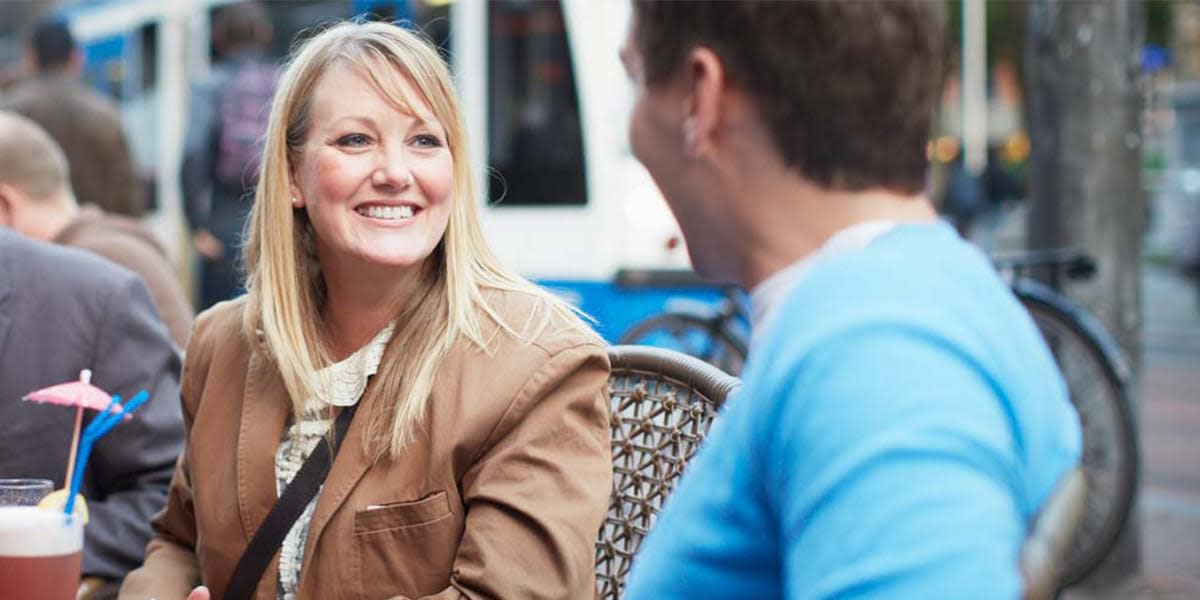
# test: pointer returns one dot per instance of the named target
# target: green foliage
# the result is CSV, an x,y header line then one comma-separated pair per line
x,y
1158,21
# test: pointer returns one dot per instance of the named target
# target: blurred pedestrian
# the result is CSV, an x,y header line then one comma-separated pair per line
x,y
61,311
227,121
85,124
476,460
36,199
901,421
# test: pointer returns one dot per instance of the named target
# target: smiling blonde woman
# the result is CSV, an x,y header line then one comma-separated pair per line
x,y
476,463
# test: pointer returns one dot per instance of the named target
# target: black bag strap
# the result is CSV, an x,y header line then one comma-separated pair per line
x,y
291,504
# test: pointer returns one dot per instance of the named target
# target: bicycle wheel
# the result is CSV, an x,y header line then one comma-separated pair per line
x,y
1093,371
693,335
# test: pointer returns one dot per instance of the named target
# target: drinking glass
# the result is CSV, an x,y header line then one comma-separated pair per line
x,y
24,492
40,549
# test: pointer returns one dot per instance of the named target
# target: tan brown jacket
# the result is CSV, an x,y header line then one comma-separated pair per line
x,y
501,495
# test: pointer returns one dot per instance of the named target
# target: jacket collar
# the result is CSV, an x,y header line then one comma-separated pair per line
x,y
265,412
349,466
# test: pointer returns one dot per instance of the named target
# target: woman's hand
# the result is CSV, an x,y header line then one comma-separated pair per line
x,y
200,593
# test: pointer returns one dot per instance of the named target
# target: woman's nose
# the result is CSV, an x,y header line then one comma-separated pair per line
x,y
392,171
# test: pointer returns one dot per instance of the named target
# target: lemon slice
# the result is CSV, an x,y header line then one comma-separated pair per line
x,y
57,500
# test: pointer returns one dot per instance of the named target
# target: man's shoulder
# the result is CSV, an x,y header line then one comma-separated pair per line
x,y
60,90
922,276
31,263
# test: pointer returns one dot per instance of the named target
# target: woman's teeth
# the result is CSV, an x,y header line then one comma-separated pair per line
x,y
387,212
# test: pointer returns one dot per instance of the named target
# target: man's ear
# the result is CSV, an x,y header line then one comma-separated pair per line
x,y
8,205
75,62
706,77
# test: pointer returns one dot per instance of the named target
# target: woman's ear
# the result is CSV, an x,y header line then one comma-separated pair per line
x,y
297,197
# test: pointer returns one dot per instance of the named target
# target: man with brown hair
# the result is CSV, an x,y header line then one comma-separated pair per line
x,y
86,125
36,199
901,420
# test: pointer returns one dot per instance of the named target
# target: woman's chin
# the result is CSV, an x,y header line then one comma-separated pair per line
x,y
401,260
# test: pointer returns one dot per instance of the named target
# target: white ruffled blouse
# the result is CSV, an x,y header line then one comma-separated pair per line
x,y
348,379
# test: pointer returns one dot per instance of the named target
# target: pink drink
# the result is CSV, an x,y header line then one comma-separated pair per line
x,y
40,554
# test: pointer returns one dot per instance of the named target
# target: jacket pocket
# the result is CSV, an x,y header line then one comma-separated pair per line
x,y
402,514
406,548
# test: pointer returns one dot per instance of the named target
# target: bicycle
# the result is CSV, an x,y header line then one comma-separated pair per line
x,y
1096,373
717,335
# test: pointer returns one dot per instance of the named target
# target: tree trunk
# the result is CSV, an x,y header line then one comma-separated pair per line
x,y
1185,40
1084,103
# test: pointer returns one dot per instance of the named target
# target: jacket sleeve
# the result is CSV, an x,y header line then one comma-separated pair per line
x,y
537,495
170,570
130,467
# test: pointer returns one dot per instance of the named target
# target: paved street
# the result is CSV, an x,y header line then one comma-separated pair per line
x,y
1170,428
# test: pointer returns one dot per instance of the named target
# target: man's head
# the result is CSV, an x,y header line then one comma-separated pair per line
x,y
840,94
241,26
35,188
52,47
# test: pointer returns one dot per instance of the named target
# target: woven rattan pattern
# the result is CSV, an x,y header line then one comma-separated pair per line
x,y
662,406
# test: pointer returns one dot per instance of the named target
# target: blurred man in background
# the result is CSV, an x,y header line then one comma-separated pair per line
x,y
226,125
61,311
37,200
86,125
901,420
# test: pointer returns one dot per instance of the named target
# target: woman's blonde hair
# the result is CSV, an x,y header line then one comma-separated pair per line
x,y
286,291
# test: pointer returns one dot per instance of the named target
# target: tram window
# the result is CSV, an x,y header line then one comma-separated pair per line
x,y
147,59
535,141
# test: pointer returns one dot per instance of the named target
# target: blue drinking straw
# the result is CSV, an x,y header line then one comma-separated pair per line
x,y
102,424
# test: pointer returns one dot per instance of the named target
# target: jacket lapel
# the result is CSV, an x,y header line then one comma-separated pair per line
x,y
350,464
265,409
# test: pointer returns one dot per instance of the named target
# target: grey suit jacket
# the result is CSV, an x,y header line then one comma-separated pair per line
x,y
63,310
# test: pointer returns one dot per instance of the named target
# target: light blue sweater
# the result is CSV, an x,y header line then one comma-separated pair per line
x,y
900,424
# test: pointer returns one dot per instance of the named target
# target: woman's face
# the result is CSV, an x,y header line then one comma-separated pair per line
x,y
376,181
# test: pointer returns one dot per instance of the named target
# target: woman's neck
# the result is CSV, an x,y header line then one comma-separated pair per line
x,y
360,304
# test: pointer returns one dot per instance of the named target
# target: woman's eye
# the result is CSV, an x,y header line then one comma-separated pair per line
x,y
426,140
353,140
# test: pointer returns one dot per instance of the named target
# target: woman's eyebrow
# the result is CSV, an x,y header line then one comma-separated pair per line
x,y
362,120
417,120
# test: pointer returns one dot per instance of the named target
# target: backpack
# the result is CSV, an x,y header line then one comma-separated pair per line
x,y
242,112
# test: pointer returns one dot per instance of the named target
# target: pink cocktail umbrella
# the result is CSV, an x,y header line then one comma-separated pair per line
x,y
80,394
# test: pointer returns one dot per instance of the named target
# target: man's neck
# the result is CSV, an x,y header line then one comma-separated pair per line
x,y
60,72
795,217
51,219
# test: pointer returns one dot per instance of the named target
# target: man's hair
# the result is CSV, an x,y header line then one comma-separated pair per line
x,y
30,160
846,88
52,44
241,25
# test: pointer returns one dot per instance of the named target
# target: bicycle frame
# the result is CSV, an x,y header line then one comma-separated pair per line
x,y
730,315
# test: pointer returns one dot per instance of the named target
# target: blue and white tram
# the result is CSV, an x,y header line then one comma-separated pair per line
x,y
546,102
